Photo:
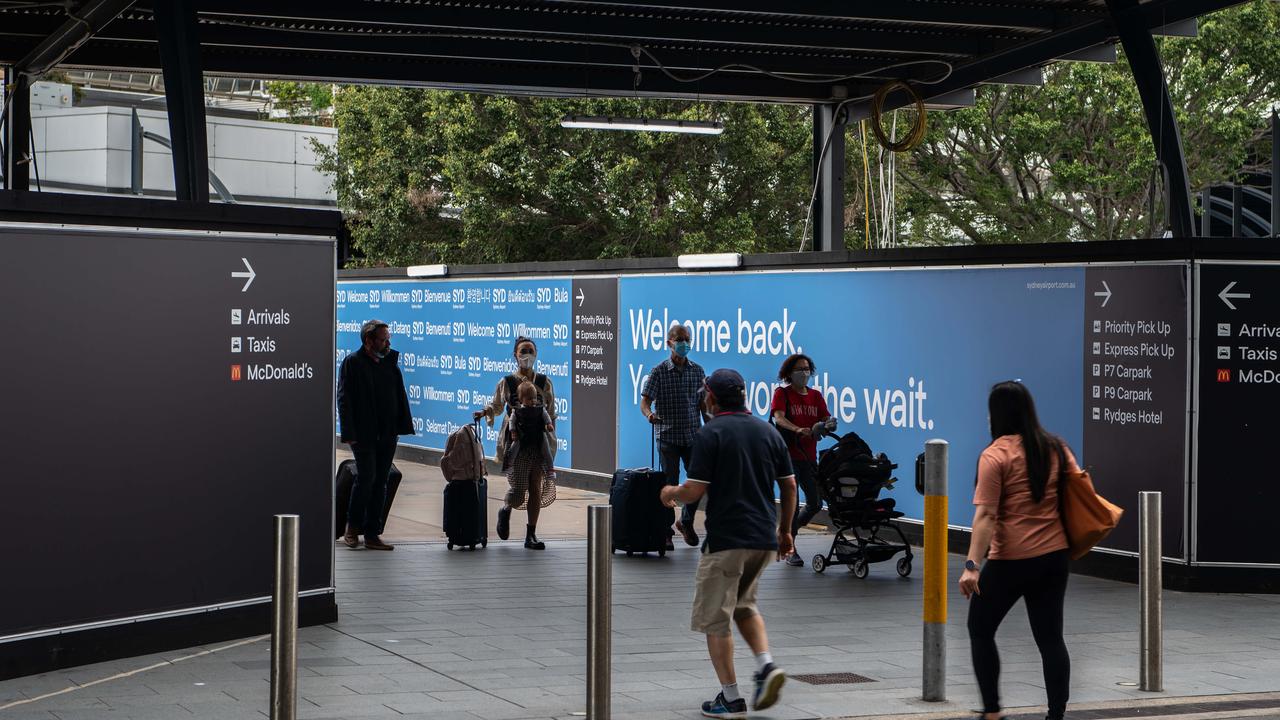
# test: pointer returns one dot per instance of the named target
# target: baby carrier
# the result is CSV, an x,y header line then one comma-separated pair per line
x,y
851,477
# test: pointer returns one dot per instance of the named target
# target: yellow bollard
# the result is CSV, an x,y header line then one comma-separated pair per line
x,y
935,571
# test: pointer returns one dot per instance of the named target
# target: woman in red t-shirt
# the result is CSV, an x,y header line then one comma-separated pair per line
x,y
796,411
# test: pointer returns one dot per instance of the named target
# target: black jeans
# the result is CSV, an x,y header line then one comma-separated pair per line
x,y
369,490
1042,583
671,456
806,482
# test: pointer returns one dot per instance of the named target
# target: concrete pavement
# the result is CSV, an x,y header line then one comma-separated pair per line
x,y
499,634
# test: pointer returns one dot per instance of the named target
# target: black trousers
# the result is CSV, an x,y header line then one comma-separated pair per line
x,y
670,456
1042,583
369,490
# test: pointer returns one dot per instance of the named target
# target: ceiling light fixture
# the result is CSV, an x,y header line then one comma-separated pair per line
x,y
695,127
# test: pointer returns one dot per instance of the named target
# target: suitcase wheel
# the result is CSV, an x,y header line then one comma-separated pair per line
x,y
484,543
450,546
662,553
629,553
472,548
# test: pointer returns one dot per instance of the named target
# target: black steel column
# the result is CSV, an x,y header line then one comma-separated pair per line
x,y
1148,75
828,173
184,96
17,132
1275,174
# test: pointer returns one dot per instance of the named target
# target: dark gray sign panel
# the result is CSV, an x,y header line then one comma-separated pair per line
x,y
1135,396
164,396
595,373
1239,389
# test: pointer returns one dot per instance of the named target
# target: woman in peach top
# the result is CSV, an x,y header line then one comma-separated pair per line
x,y
1018,530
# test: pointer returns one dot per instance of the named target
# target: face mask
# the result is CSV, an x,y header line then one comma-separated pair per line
x,y
681,348
526,362
800,378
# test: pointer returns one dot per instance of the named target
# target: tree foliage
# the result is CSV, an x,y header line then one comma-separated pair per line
x,y
1073,160
444,176
433,176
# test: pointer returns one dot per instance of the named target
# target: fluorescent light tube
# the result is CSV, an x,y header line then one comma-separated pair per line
x,y
427,270
696,127
709,260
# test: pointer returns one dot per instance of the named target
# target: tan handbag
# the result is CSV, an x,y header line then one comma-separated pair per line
x,y
1087,516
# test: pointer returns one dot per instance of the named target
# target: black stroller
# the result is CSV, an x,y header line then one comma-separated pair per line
x,y
850,478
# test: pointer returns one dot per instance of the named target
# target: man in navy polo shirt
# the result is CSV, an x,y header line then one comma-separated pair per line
x,y
737,458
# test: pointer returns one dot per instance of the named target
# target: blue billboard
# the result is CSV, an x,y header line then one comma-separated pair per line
x,y
456,339
900,356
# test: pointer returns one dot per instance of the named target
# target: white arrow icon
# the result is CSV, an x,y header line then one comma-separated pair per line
x,y
582,297
1105,294
250,275
1226,295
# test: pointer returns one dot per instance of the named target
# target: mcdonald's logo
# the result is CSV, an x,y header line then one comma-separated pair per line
x,y
235,373
1224,375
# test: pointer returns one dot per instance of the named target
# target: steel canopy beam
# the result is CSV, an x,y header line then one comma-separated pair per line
x,y
184,97
1148,75
625,28
680,60
1012,16
498,78
90,18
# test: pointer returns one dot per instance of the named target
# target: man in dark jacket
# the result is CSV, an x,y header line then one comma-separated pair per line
x,y
373,410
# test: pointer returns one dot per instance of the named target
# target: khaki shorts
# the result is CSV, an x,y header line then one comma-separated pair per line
x,y
726,588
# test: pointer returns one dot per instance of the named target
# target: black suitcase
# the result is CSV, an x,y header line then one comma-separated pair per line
x,y
342,494
641,523
466,513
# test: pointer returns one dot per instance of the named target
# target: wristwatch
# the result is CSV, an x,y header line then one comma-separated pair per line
x,y
970,565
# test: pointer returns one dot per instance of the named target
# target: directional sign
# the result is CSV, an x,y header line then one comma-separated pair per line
x,y
241,274
1226,295
1105,293
582,297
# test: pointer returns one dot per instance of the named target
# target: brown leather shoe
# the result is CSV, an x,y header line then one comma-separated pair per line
x,y
351,538
373,542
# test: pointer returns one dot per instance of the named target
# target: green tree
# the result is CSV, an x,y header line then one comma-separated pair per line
x,y
1073,160
431,176
301,102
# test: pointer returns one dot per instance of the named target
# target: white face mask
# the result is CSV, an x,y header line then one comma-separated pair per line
x,y
527,362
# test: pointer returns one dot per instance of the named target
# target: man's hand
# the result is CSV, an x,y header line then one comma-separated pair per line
x,y
806,432
477,415
786,545
654,419
668,495
969,584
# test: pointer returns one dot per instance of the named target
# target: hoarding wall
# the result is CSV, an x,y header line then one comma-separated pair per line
x,y
902,355
165,394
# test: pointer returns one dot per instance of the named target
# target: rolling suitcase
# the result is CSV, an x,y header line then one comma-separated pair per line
x,y
466,513
641,523
466,498
342,494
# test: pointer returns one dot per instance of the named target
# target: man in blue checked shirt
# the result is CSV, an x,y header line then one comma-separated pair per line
x,y
672,402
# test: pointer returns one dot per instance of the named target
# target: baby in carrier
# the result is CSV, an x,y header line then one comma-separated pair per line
x,y
530,430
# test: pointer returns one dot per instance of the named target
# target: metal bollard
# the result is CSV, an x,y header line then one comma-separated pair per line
x,y
1151,620
284,622
599,610
935,571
